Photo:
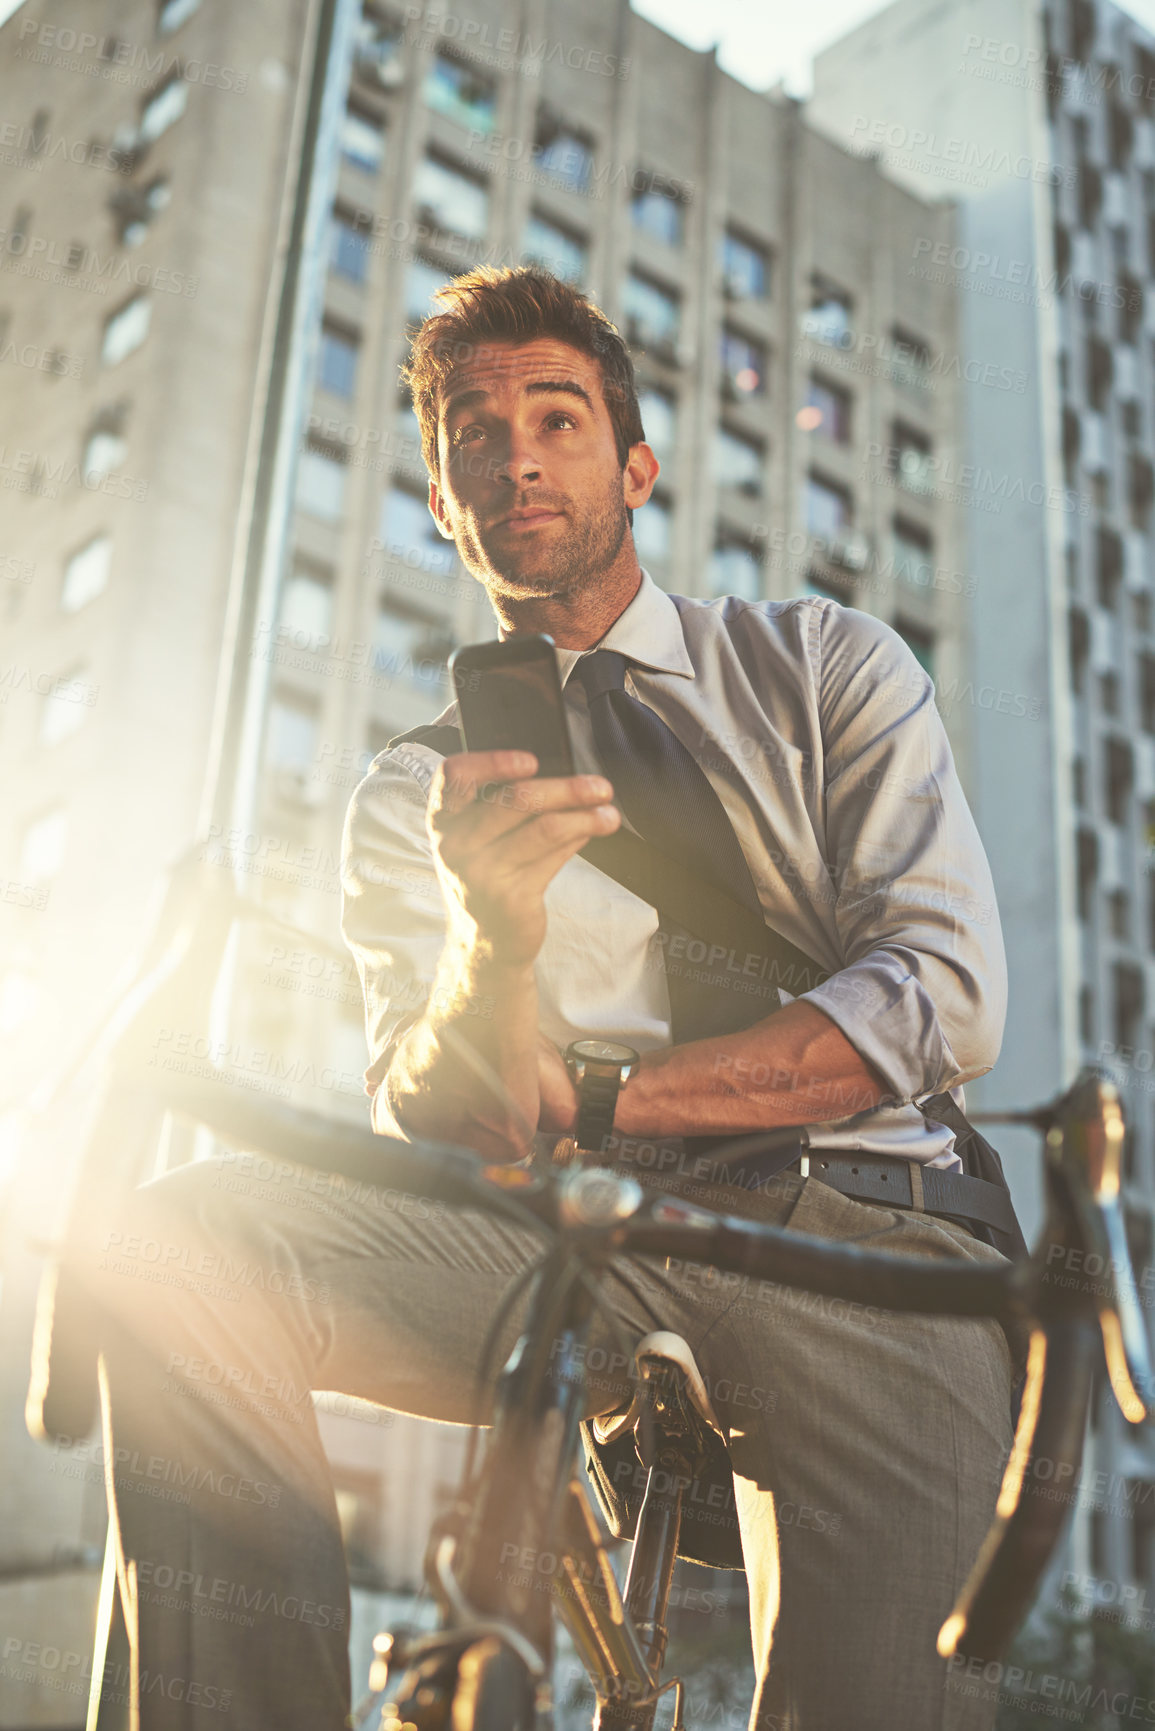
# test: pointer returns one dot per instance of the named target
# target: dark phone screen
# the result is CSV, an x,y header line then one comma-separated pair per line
x,y
515,705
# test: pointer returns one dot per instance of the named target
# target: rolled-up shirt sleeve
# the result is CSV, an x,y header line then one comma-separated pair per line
x,y
923,991
392,915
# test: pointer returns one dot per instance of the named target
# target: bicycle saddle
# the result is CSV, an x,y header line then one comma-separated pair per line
x,y
653,1352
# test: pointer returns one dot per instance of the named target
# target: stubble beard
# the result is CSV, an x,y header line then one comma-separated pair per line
x,y
576,559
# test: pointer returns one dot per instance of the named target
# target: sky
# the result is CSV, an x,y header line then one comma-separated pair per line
x,y
762,41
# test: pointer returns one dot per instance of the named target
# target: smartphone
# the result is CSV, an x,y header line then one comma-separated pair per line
x,y
509,699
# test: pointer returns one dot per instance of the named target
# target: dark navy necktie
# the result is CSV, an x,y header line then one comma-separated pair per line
x,y
658,786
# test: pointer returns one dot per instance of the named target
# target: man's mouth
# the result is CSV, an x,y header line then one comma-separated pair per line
x,y
519,522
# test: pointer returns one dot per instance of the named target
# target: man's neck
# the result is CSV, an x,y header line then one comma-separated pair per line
x,y
574,622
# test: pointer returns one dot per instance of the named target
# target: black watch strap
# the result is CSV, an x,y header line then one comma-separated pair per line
x,y
597,1100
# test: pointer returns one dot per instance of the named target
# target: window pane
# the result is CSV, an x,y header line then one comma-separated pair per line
x,y
293,734
42,851
827,411
448,200
306,609
163,110
738,462
566,156
376,52
828,320
745,268
410,647
422,281
86,573
658,420
320,484
337,363
921,642
126,330
910,362
554,248
173,14
349,256
362,141
658,213
652,530
408,532
913,556
653,314
463,94
827,508
743,365
911,460
65,707
735,571
104,451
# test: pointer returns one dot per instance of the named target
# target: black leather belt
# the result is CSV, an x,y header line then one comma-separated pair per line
x,y
885,1178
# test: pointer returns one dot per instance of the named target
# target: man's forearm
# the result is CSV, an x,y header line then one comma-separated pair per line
x,y
467,1071
794,1067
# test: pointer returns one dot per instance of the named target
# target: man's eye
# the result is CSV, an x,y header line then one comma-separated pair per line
x,y
466,435
559,416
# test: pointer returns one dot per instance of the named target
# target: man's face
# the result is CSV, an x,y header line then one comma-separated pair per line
x,y
529,483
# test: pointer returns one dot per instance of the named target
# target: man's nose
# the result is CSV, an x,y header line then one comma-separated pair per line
x,y
519,460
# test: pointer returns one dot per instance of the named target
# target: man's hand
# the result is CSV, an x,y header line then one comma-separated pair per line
x,y
500,838
556,1091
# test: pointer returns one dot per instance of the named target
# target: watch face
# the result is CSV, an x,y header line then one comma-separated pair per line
x,y
603,1052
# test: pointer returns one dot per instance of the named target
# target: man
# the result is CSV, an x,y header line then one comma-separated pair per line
x,y
866,1448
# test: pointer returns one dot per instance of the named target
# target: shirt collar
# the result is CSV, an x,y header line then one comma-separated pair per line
x,y
648,632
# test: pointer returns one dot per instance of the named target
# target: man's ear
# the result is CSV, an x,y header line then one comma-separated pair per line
x,y
641,471
437,506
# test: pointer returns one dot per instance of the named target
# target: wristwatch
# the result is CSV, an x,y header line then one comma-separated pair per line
x,y
599,1069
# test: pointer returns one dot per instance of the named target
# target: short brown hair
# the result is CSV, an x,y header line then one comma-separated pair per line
x,y
517,305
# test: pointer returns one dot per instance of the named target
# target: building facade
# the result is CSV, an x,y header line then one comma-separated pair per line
x,y
800,388
1040,123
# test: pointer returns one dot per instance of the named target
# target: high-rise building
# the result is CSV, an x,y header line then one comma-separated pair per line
x,y
798,384
1040,123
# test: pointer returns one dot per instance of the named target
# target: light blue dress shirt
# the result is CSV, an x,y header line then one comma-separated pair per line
x,y
817,728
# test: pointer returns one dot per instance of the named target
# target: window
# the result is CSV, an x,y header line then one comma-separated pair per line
x,y
1147,694
349,254
459,91
745,268
449,200
734,569
376,51
135,207
1141,611
307,606
42,850
409,533
407,437
738,461
1108,565
410,645
126,330
1127,983
828,320
1118,777
910,460
321,483
910,362
86,573
827,411
422,281
653,313
65,706
105,447
563,153
920,642
744,365
659,420
557,249
337,361
174,13
163,109
1118,914
362,140
1109,693
658,211
652,523
294,728
913,555
828,508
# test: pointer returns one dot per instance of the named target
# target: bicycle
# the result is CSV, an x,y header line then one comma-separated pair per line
x,y
487,1665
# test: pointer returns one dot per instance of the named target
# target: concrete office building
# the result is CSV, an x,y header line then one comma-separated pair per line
x,y
799,386
1040,122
